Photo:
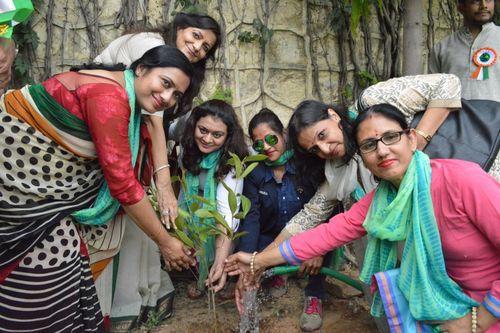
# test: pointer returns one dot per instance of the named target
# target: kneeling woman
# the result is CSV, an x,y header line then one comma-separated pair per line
x,y
445,211
212,132
276,197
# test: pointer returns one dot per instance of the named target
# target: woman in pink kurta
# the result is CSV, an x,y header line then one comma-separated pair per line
x,y
465,203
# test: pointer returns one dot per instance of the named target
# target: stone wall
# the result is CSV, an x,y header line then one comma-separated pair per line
x,y
278,76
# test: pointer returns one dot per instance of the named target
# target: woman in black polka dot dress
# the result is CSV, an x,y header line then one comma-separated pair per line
x,y
68,147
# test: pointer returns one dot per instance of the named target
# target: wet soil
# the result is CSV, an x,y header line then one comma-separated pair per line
x,y
344,310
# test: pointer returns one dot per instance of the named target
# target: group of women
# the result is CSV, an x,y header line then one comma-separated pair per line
x,y
433,241
79,237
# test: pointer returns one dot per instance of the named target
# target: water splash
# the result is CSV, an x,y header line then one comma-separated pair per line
x,y
249,321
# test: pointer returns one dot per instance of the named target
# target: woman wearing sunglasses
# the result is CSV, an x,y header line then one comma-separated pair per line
x,y
276,198
443,212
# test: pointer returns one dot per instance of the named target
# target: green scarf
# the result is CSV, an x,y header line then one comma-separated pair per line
x,y
105,206
407,214
208,163
284,158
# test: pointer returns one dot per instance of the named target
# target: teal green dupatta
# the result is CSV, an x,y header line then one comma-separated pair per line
x,y
407,214
208,163
105,206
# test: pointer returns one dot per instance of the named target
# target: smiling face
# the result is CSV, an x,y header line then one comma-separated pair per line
x,y
210,134
388,162
273,152
324,139
195,43
159,88
477,12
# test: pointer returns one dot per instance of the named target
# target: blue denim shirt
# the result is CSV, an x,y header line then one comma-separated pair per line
x,y
273,205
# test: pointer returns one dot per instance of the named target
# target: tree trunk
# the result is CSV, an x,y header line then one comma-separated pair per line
x,y
413,37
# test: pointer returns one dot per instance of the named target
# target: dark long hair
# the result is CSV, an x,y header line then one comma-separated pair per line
x,y
169,34
159,56
311,168
235,140
268,117
386,110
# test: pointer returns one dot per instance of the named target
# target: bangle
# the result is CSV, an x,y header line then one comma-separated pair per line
x,y
161,168
474,319
252,263
155,237
426,136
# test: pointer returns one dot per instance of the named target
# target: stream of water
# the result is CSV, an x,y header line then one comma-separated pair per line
x,y
249,321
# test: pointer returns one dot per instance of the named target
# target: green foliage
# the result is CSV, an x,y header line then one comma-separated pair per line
x,y
247,37
187,6
360,8
26,42
195,235
348,92
366,79
154,320
263,32
347,14
225,95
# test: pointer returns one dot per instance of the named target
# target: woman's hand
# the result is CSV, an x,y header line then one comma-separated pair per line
x,y
216,277
460,325
311,266
245,282
176,255
238,263
167,203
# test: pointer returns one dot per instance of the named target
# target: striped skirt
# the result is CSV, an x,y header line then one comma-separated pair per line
x,y
45,280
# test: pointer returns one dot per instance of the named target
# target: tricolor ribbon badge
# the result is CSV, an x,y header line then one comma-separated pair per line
x,y
483,58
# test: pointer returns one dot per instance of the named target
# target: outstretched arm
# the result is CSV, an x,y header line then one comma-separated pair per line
x,y
436,94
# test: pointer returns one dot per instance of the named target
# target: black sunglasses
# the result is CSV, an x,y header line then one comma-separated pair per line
x,y
270,139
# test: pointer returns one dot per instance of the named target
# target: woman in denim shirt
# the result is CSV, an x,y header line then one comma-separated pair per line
x,y
276,198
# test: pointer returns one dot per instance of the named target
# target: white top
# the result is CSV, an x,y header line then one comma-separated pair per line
x,y
222,198
127,49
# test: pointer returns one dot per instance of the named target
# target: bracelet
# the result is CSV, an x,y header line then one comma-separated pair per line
x,y
252,263
155,237
474,319
161,168
426,136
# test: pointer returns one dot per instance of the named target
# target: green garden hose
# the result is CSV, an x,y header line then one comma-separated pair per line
x,y
280,270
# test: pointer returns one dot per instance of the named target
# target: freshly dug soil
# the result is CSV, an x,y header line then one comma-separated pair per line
x,y
348,314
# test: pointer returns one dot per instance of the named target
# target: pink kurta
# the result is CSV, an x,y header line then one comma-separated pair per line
x,y
466,204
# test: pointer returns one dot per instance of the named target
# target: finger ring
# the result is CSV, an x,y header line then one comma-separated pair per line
x,y
165,212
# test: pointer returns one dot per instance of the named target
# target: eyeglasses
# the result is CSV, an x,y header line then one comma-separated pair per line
x,y
270,139
388,139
